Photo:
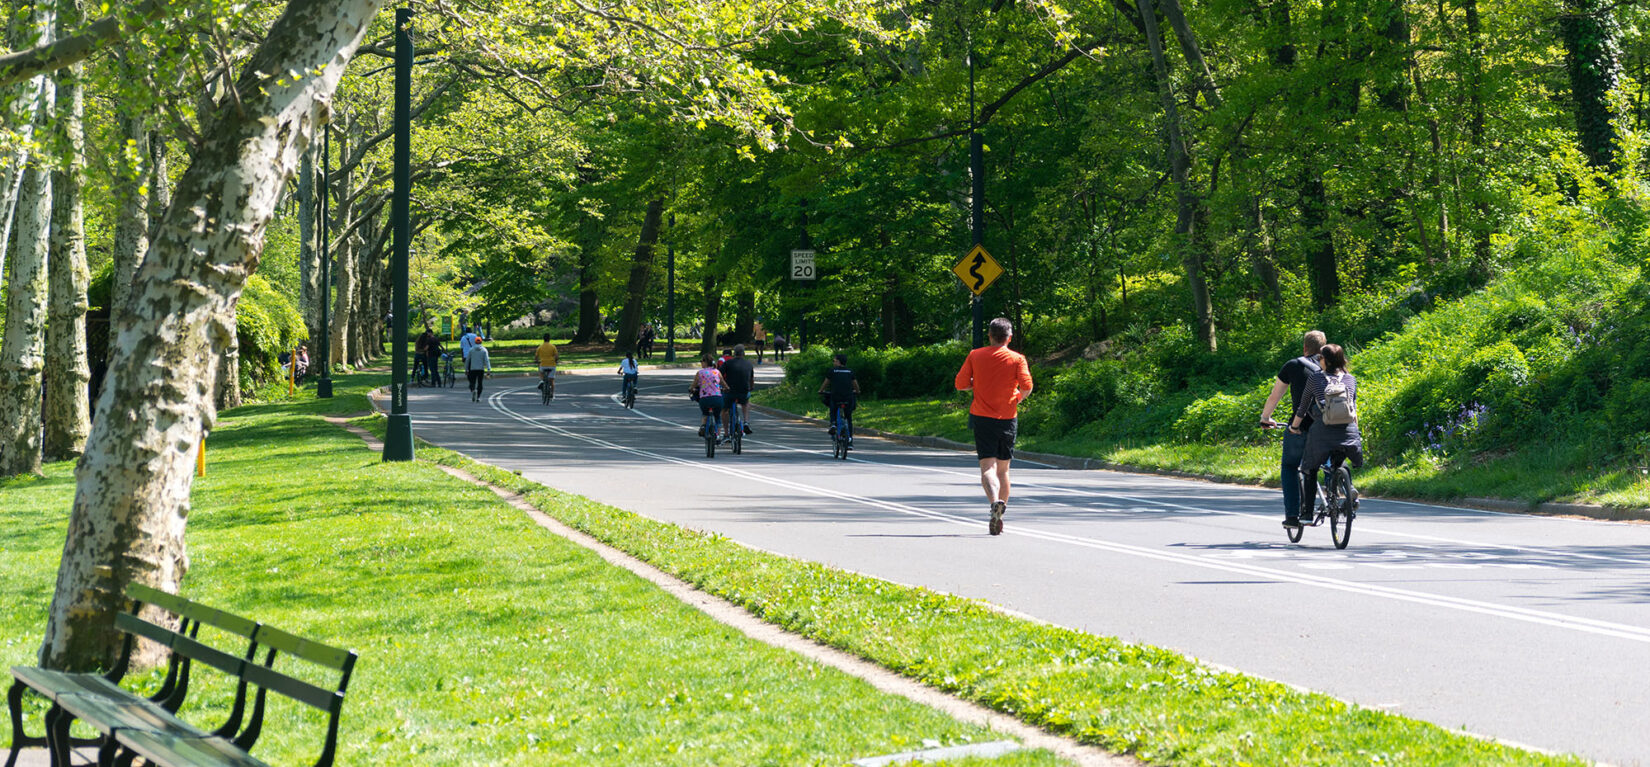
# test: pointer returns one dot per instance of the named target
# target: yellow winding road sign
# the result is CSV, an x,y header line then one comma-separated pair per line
x,y
978,270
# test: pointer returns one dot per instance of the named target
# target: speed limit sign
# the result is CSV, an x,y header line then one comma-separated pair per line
x,y
802,265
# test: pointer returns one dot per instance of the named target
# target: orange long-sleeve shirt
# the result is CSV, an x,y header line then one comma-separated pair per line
x,y
995,373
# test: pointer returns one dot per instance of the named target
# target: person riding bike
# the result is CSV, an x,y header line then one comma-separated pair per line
x,y
741,379
1331,401
630,371
547,356
1292,379
707,388
840,390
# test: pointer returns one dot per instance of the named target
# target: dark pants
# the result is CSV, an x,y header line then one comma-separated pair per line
x,y
1313,459
847,414
476,377
1293,446
432,364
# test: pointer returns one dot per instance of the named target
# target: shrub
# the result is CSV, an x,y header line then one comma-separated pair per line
x,y
1088,391
923,371
1227,418
266,324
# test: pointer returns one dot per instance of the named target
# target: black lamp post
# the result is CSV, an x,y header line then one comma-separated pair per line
x,y
398,439
323,387
670,292
976,171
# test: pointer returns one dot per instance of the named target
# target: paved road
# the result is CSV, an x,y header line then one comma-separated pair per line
x,y
1528,629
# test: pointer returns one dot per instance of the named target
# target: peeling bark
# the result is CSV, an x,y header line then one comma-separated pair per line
x,y
22,353
132,220
132,487
68,374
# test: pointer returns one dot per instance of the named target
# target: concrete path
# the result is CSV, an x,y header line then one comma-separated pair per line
x,y
1528,629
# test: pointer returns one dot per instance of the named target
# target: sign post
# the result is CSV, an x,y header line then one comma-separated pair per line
x,y
398,436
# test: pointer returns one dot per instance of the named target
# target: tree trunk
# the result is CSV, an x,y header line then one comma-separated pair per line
x,y
1189,212
227,389
309,254
132,220
591,230
641,268
132,487
713,314
744,319
1321,260
68,374
1481,225
1593,57
22,353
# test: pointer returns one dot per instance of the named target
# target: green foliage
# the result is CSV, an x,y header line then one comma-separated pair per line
x,y
924,371
267,324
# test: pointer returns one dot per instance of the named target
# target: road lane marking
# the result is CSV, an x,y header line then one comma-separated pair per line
x,y
1540,617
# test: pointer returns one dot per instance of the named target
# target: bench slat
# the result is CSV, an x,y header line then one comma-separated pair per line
x,y
109,714
314,652
180,644
185,752
296,689
194,611
53,684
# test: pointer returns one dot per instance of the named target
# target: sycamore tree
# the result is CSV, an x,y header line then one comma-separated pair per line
x,y
132,485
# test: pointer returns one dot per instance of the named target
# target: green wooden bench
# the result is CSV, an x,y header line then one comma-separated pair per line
x,y
132,726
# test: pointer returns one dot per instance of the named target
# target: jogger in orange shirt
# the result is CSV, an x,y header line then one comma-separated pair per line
x,y
1000,379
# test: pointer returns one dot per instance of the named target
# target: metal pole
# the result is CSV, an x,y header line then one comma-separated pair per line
x,y
976,171
398,439
323,387
807,244
670,292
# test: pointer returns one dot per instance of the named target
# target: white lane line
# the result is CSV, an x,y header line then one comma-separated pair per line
x,y
1540,617
1264,518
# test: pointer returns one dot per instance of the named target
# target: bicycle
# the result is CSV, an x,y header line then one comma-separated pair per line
x,y
447,371
547,386
736,429
1336,502
627,395
841,440
712,436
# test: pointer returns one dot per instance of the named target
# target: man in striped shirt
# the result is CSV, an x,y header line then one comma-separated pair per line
x,y
1000,379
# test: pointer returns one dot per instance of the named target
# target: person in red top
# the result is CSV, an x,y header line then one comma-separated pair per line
x,y
1000,379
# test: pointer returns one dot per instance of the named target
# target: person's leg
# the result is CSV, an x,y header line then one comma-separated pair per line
x,y
1002,479
989,478
1311,460
1290,477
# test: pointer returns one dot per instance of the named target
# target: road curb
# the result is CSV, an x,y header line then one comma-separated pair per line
x,y
1075,463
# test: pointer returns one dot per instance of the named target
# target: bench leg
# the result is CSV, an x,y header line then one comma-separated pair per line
x,y
14,703
57,735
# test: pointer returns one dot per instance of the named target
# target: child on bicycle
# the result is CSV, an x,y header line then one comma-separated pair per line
x,y
840,390
1331,401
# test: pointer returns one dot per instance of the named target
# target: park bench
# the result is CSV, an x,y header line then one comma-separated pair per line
x,y
135,726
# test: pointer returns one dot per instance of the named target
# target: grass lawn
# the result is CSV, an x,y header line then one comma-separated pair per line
x,y
1154,703
1529,476
483,638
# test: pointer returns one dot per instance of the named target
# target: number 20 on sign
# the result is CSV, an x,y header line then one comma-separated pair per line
x,y
802,265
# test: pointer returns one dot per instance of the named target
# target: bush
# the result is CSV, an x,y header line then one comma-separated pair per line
x,y
267,324
923,371
536,333
1089,391
1225,418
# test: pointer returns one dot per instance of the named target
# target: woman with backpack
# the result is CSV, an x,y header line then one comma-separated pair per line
x,y
1331,401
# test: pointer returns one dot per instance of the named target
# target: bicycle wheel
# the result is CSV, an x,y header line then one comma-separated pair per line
x,y
1340,512
710,444
630,397
1295,533
738,440
544,394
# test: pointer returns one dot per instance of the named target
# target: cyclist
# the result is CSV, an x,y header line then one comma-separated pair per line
x,y
1000,379
840,390
547,356
1328,439
707,388
628,369
741,379
1292,378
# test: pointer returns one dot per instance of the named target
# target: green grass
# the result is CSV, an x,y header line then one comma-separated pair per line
x,y
483,638
1532,475
1154,703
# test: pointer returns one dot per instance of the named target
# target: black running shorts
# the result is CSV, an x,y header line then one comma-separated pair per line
x,y
993,437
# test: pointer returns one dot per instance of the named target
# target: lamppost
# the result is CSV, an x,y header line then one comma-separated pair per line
x,y
323,387
670,292
976,171
398,438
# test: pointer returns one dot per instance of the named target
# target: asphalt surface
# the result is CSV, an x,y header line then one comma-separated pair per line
x,y
1527,629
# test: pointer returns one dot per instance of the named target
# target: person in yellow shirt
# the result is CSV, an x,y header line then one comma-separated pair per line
x,y
548,356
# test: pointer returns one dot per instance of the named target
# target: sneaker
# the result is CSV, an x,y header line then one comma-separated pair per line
x,y
831,431
701,432
747,428
1292,522
997,510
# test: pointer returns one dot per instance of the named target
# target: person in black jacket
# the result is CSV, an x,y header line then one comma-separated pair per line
x,y
1292,378
1341,442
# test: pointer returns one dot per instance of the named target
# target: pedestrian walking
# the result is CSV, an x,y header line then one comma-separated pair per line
x,y
1000,379
478,364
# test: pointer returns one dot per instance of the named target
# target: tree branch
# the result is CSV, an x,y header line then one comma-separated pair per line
x,y
18,66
